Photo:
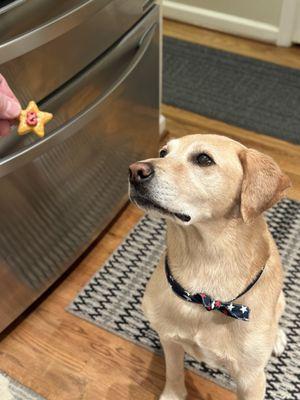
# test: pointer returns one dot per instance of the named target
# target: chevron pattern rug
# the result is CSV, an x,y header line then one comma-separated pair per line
x,y
112,298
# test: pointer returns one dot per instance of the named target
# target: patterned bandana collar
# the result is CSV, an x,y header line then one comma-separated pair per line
x,y
234,310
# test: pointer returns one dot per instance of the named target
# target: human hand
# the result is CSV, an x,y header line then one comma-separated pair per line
x,y
9,107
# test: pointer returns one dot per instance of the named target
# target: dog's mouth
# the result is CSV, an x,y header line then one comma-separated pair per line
x,y
149,204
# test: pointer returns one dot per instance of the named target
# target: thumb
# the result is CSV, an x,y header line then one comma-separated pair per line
x,y
9,108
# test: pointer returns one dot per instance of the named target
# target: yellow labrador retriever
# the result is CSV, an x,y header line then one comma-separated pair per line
x,y
217,293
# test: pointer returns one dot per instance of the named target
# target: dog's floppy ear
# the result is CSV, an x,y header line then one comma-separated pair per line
x,y
263,183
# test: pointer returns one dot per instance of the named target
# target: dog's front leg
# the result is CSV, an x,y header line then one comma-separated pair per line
x,y
251,386
174,359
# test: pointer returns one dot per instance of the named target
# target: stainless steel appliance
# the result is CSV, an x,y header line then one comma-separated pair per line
x,y
94,65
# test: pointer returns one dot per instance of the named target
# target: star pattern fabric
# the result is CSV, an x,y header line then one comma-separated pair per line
x,y
231,309
33,120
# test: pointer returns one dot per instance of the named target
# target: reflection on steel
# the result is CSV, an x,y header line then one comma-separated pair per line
x,y
55,204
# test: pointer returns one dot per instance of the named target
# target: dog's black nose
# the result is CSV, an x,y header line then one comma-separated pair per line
x,y
140,172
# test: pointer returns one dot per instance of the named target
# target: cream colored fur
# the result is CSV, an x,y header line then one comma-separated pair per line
x,y
219,251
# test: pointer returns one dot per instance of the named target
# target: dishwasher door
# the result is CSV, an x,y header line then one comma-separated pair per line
x,y
60,192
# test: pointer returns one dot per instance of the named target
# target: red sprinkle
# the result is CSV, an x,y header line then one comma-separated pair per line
x,y
31,118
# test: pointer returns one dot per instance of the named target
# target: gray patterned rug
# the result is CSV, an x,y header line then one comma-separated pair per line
x,y
10,389
112,298
242,91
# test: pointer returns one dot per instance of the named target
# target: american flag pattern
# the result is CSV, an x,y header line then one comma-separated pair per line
x,y
229,308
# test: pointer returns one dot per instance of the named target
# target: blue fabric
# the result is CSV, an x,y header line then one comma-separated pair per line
x,y
229,308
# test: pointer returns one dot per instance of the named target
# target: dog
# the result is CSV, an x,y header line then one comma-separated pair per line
x,y
212,192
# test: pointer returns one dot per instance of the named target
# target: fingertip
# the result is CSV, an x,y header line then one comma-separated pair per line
x,y
14,109
9,108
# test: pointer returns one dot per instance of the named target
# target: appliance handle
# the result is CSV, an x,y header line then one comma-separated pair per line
x,y
15,160
45,33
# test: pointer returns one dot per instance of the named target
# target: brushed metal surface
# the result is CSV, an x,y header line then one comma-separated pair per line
x,y
31,151
55,204
51,29
37,39
8,5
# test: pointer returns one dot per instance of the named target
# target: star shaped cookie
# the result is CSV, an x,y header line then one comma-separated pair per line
x,y
32,119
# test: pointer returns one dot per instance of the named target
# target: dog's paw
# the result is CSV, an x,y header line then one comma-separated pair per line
x,y
171,397
168,394
280,342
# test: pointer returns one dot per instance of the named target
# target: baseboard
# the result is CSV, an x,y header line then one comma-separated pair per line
x,y
220,21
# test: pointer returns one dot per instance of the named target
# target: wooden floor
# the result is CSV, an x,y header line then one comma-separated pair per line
x,y
65,358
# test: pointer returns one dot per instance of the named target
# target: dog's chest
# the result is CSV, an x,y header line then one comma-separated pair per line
x,y
201,333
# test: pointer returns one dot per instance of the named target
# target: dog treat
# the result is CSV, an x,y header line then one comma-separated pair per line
x,y
33,120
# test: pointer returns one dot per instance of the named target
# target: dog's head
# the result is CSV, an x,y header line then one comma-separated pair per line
x,y
200,177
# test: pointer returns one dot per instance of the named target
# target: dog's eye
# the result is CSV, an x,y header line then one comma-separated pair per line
x,y
163,153
204,160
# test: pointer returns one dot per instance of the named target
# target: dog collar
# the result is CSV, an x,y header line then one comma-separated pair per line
x,y
229,308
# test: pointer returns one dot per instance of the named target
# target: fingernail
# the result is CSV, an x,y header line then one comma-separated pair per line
x,y
13,109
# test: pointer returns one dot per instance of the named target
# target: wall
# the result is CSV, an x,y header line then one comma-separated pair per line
x,y
266,20
267,11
